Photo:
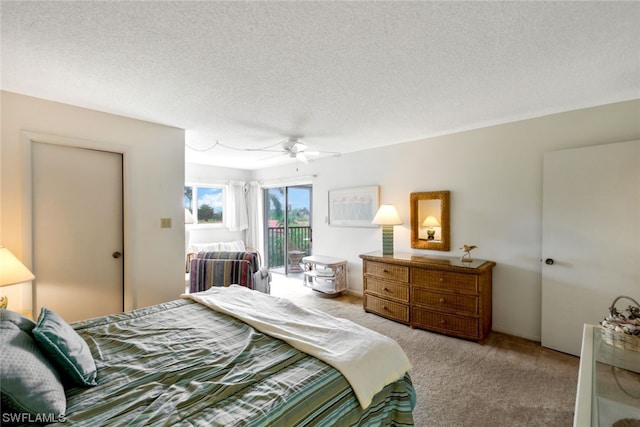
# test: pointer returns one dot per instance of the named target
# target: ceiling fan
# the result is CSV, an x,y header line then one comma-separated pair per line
x,y
295,148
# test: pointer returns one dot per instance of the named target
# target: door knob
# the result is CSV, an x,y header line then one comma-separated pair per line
x,y
549,261
116,254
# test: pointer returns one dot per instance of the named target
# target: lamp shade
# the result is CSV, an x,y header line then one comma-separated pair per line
x,y
387,215
431,221
188,217
12,271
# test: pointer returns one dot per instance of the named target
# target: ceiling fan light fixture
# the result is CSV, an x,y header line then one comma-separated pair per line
x,y
295,146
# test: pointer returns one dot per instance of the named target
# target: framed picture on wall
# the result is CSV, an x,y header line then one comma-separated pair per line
x,y
354,206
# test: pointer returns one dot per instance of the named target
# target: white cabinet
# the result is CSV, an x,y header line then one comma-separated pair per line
x,y
325,274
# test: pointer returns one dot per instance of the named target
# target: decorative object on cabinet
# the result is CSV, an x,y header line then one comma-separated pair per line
x,y
353,207
426,204
387,216
440,294
620,330
466,256
325,274
12,272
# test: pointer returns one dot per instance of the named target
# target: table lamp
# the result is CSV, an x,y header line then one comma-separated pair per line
x,y
12,271
431,222
387,217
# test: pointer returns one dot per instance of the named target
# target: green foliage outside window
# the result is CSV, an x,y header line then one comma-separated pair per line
x,y
205,203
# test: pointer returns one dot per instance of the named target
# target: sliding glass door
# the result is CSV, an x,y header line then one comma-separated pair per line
x,y
288,235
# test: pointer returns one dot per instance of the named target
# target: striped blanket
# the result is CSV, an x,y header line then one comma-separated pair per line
x,y
223,269
182,364
367,359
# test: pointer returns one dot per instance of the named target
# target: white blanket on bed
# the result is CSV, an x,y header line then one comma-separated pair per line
x,y
367,359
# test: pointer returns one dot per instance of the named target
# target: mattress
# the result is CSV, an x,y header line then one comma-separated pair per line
x,y
181,363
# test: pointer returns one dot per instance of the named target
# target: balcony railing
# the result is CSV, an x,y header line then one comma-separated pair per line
x,y
299,239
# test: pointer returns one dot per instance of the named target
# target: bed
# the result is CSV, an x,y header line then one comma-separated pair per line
x,y
187,362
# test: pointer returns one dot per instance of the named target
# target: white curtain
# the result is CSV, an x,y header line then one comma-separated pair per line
x,y
255,232
236,211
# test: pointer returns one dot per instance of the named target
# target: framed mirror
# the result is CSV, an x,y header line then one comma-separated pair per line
x,y
430,220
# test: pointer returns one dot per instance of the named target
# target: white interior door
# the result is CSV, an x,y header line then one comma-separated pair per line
x,y
77,228
591,232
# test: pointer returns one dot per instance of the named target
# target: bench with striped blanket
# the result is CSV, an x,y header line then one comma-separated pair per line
x,y
209,269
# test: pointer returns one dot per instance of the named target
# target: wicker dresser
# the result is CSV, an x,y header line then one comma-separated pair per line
x,y
439,294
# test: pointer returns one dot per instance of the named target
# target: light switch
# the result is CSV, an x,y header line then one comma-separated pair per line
x,y
165,222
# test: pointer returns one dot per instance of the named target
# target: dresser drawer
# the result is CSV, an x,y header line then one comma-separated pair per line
x,y
445,280
455,325
387,271
387,289
459,303
392,310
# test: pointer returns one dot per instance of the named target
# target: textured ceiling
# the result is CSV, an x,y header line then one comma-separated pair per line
x,y
345,76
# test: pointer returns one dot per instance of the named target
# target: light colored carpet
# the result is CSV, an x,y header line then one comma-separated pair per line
x,y
505,381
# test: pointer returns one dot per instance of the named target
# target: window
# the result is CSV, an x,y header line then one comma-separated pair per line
x,y
205,202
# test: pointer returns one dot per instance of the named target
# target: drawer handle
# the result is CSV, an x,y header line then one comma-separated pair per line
x,y
442,300
384,307
385,270
443,322
442,280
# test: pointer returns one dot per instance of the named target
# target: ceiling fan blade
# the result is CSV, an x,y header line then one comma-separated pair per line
x,y
302,157
299,147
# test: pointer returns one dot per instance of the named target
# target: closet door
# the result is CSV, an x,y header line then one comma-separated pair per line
x,y
77,231
591,237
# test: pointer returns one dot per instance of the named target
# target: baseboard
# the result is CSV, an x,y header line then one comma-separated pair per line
x,y
354,293
519,335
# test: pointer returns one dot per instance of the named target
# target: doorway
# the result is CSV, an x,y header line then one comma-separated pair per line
x,y
590,246
288,227
77,217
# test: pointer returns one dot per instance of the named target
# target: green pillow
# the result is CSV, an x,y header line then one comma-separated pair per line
x,y
30,383
65,347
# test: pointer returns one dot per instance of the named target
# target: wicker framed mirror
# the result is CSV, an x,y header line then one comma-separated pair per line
x,y
430,220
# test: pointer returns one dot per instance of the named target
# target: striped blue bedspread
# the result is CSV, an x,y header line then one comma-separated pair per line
x,y
181,363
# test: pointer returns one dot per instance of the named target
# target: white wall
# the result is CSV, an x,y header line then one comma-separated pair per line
x,y
494,175
154,178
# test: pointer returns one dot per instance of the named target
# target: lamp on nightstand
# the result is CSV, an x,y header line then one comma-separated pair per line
x,y
12,271
387,217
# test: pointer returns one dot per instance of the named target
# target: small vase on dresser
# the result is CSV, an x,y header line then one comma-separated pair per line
x,y
439,294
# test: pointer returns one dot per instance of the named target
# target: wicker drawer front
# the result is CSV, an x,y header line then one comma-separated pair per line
x,y
465,304
392,310
387,271
445,280
387,289
461,326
